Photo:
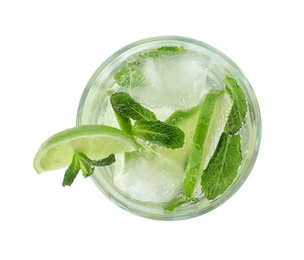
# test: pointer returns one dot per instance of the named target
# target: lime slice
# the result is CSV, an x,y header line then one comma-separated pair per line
x,y
95,141
211,122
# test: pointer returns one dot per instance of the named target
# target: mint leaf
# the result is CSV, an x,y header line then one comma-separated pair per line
x,y
171,48
223,166
131,75
103,162
124,105
124,123
72,171
160,133
87,165
163,51
81,162
239,108
177,202
147,126
86,168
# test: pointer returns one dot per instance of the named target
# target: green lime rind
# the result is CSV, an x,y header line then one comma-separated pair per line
x,y
95,141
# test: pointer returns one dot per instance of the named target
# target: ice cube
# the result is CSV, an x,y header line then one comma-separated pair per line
x,y
150,179
177,81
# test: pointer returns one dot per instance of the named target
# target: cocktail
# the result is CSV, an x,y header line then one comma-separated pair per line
x,y
180,127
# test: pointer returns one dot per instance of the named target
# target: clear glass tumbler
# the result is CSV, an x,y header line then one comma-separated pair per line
x,y
203,69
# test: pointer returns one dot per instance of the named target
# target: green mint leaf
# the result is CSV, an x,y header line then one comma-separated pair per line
x,y
124,123
104,162
177,202
87,165
163,51
239,108
72,171
223,166
131,75
171,48
81,162
124,105
160,133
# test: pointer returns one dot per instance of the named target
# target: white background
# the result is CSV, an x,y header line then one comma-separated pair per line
x,y
48,52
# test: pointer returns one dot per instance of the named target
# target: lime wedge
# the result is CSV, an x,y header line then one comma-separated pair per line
x,y
95,141
211,122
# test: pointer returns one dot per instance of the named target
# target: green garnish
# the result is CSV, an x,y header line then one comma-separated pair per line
x,y
131,75
239,108
179,116
124,123
177,202
126,106
159,133
185,120
95,140
163,51
81,161
72,171
147,126
212,110
223,166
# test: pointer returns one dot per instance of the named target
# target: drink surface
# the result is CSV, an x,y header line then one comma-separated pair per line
x,y
174,85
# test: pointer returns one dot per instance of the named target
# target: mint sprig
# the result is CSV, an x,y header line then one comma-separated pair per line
x,y
81,162
146,126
